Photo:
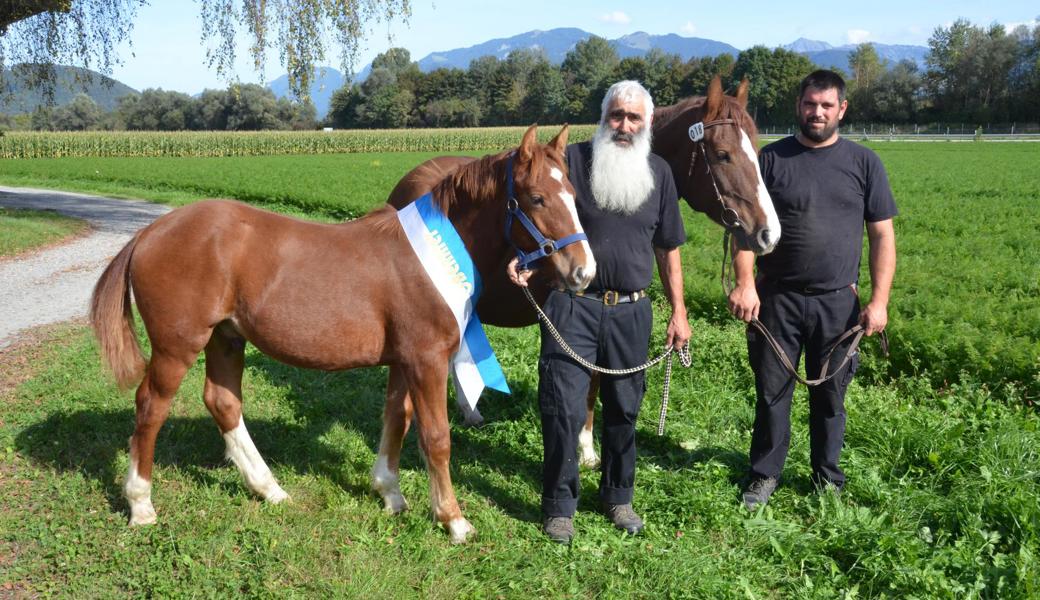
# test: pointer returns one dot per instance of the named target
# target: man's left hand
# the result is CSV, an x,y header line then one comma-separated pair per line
x,y
678,331
874,318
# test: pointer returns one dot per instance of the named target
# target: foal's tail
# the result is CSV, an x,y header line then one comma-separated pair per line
x,y
113,321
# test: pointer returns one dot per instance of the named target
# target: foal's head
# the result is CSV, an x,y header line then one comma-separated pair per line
x,y
544,193
718,173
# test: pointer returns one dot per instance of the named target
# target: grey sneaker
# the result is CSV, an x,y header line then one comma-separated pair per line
x,y
759,491
623,517
559,529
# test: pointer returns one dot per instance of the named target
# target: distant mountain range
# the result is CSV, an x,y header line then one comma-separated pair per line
x,y
69,81
556,43
837,57
323,84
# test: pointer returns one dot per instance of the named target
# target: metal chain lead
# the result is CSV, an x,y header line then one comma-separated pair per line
x,y
684,358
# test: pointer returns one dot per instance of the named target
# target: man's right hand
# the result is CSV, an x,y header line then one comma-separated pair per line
x,y
744,302
518,277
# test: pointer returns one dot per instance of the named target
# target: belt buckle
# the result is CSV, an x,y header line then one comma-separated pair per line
x,y
610,298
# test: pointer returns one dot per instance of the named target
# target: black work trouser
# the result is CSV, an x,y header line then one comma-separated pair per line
x,y
609,336
813,322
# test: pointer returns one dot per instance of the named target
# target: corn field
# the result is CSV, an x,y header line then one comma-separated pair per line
x,y
24,144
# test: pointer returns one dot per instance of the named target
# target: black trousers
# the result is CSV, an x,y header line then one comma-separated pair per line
x,y
610,336
813,322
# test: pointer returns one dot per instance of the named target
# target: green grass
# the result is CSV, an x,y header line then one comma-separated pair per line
x,y
942,451
941,500
22,230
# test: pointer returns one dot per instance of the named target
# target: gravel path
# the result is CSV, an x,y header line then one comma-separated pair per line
x,y
55,284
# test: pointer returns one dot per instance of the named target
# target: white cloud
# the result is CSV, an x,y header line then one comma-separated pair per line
x,y
857,36
617,17
689,28
1009,27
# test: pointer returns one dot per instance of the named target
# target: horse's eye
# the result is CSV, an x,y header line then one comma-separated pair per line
x,y
537,200
723,156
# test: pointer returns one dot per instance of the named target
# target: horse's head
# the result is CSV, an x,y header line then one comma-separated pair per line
x,y
539,192
710,144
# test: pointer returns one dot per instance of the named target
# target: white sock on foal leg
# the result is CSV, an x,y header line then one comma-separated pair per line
x,y
242,452
587,456
387,484
138,492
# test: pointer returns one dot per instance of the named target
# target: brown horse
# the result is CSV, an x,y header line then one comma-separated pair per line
x,y
213,275
717,175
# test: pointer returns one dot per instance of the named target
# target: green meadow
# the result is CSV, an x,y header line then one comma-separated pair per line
x,y
942,451
23,230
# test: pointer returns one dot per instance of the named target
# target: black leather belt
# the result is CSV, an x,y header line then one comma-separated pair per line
x,y
610,297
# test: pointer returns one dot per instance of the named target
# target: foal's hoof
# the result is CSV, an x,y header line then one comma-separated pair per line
x,y
473,419
589,461
460,530
142,515
394,504
276,495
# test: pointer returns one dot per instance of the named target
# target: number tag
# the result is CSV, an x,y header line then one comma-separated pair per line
x,y
697,131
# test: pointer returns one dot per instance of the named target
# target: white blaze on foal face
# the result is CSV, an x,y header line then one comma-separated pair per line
x,y
568,201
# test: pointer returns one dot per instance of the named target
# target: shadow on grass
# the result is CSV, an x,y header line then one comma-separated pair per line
x,y
88,442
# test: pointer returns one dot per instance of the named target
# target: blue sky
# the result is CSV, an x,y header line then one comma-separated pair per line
x,y
167,51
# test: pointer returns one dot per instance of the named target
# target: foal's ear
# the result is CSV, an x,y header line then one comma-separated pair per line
x,y
714,102
528,143
559,143
742,93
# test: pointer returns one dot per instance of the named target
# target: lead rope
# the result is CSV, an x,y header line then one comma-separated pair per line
x,y
856,332
684,358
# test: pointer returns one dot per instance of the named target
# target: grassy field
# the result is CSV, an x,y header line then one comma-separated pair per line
x,y
22,230
942,453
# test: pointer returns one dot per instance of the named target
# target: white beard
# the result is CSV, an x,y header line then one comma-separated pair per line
x,y
621,179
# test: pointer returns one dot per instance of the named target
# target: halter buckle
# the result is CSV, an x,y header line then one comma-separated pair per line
x,y
730,218
548,247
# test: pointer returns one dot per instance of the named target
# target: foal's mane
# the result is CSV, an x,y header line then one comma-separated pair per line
x,y
485,179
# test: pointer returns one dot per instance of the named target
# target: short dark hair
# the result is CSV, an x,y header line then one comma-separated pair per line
x,y
823,79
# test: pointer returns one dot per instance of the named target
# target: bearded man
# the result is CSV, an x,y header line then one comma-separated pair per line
x,y
627,204
825,188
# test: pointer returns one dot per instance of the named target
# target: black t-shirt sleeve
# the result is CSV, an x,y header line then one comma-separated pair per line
x,y
670,231
878,203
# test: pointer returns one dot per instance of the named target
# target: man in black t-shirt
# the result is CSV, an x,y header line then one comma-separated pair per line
x,y
627,204
824,189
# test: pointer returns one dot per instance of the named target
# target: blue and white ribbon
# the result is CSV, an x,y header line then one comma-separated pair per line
x,y
445,259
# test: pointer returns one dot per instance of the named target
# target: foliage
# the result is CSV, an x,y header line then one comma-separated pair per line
x,y
774,77
86,33
21,230
940,502
968,71
38,35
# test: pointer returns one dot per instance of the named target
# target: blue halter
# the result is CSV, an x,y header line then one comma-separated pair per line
x,y
546,246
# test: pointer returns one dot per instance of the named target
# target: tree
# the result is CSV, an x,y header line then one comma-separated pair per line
x,y
896,94
867,70
156,110
969,70
79,115
774,78
589,62
87,32
1025,75
700,72
545,98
